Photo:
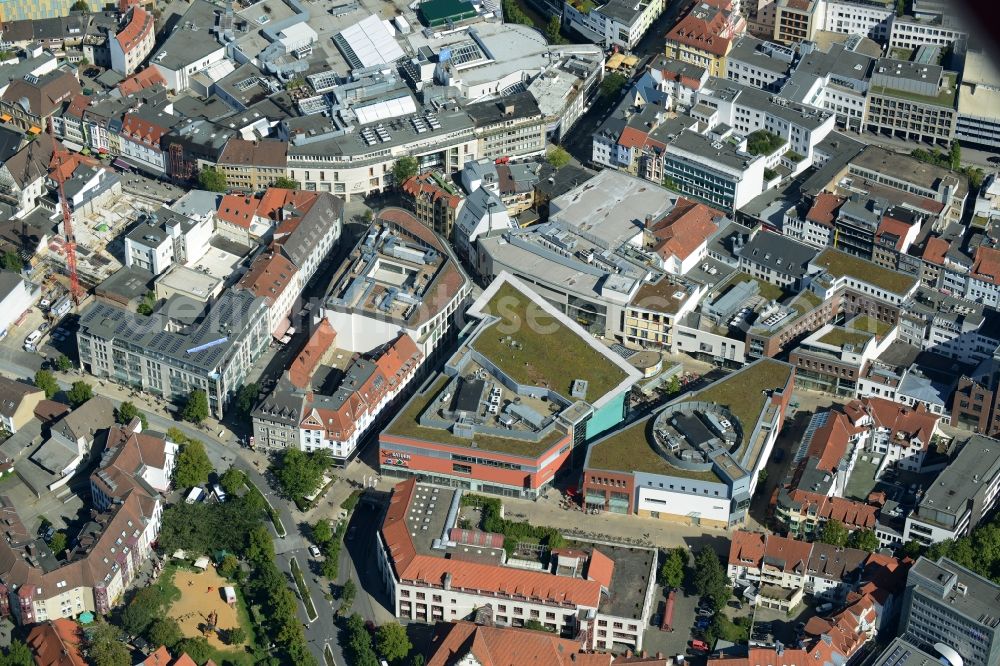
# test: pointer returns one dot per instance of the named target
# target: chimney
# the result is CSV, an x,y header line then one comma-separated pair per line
x,y
508,108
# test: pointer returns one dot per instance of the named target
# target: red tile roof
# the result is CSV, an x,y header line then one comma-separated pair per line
x,y
413,567
706,29
600,568
305,363
147,78
237,209
507,646
746,548
142,130
423,186
987,265
892,227
935,250
824,209
902,421
684,228
788,555
140,25
57,643
831,441
159,658
269,275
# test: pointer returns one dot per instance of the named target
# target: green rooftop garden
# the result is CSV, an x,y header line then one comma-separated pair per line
x,y
741,393
840,264
541,350
838,337
407,425
793,156
769,174
871,325
763,142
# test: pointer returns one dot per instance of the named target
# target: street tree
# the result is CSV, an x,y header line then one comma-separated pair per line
x,y
196,408
322,533
63,363
193,466
246,398
45,380
912,549
128,411
299,473
391,642
834,533
558,157
164,631
232,481
79,393
612,85
672,571
285,183
348,592
709,579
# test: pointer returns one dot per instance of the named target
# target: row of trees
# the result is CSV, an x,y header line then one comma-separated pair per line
x,y
79,393
213,180
390,642
330,541
836,534
192,467
951,160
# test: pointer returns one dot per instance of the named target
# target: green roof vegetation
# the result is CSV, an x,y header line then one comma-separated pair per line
x,y
840,264
771,292
629,450
871,325
741,393
407,425
541,351
794,156
945,97
899,53
769,174
763,142
838,337
980,221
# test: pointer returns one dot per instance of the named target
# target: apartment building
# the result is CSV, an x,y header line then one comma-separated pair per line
x,y
190,48
704,37
614,23
912,101
273,277
133,43
251,166
434,201
214,350
798,20
951,326
901,435
909,32
976,404
17,404
31,101
953,609
424,562
872,18
963,495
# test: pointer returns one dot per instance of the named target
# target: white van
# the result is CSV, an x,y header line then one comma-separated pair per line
x,y
32,340
219,492
194,495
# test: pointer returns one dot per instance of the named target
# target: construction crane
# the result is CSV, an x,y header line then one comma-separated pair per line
x,y
59,155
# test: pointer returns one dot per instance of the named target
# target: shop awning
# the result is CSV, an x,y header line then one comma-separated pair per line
x,y
122,164
5,117
34,129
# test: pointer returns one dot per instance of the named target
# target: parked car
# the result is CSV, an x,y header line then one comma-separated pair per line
x,y
314,551
699,645
824,608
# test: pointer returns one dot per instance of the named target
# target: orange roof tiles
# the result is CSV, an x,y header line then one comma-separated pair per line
x,y
305,363
423,185
237,209
831,441
987,264
159,658
746,548
413,567
788,555
935,250
706,29
892,226
507,646
147,78
145,131
684,228
140,25
824,209
57,643
903,421
600,568
269,275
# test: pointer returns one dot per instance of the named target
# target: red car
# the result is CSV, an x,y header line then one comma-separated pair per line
x,y
699,645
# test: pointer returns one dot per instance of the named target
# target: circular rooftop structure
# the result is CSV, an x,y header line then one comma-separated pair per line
x,y
687,435
648,362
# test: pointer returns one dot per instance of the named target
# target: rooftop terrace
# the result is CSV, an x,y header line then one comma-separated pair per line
x,y
840,264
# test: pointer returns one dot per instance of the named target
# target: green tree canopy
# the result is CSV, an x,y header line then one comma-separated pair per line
x,y
912,549
612,85
558,157
834,533
232,481
229,566
709,579
18,654
128,411
193,466
196,408
197,648
246,398
403,169
79,393
11,261
863,540
105,646
58,543
164,631
80,6
672,571
299,473
552,31
285,183
322,533
63,363
147,304
391,642
212,180
236,636
46,381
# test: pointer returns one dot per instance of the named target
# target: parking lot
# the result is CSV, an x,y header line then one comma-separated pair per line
x,y
771,625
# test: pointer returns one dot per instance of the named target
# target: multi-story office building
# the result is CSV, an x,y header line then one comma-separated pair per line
x,y
872,18
835,80
509,127
716,172
616,23
953,609
978,101
433,571
759,64
963,495
909,32
797,20
182,347
912,101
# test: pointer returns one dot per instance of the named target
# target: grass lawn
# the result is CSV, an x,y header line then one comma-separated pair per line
x,y
870,325
840,264
763,142
540,350
406,425
769,291
838,337
946,96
